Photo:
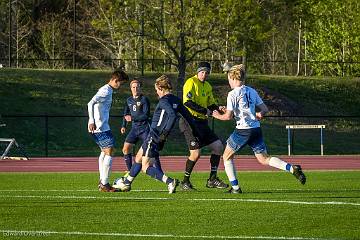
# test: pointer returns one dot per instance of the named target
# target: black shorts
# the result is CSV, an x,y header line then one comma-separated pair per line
x,y
207,136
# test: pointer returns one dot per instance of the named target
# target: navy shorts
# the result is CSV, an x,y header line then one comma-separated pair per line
x,y
242,137
150,148
137,133
104,139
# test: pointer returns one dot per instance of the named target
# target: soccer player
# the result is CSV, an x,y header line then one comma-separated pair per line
x,y
241,103
136,111
164,118
98,125
199,100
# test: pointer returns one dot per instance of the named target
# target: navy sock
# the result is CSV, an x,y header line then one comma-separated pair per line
x,y
157,164
128,161
135,169
155,173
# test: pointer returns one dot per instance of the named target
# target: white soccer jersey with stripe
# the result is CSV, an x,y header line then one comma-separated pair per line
x,y
242,101
99,108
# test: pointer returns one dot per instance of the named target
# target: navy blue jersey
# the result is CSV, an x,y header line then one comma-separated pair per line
x,y
139,109
165,116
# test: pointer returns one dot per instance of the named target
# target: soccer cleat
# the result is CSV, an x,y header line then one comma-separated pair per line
x,y
187,186
172,186
233,191
216,183
106,188
122,184
298,173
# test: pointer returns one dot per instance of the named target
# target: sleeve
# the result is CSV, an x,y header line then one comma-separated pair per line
x,y
100,96
258,100
126,112
90,106
230,102
171,114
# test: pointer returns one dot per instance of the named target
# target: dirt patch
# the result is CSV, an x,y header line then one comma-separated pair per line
x,y
279,104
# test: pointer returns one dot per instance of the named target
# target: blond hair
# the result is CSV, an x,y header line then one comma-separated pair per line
x,y
237,72
135,80
163,82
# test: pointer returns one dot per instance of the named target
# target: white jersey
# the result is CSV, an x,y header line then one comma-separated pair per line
x,y
99,108
242,101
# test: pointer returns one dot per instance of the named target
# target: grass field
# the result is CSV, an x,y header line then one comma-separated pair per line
x,y
273,206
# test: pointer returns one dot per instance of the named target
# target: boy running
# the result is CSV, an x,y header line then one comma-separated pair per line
x,y
98,125
164,118
241,103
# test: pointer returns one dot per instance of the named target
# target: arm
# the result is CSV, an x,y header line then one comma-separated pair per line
x,y
91,124
171,114
263,110
228,115
125,113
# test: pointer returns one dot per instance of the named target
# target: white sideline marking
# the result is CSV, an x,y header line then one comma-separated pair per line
x,y
186,199
10,233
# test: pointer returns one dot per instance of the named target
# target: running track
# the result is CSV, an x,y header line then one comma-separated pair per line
x,y
176,164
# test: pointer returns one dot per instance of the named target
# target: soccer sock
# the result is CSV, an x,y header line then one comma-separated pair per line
x,y
214,162
188,169
128,161
157,164
280,164
231,173
106,169
134,171
155,173
101,162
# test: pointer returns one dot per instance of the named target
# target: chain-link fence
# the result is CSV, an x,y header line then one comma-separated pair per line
x,y
58,136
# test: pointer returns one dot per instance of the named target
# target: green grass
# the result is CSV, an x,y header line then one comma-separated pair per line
x,y
273,205
66,92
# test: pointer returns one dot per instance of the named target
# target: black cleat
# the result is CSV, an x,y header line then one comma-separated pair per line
x,y
216,183
233,191
187,186
298,173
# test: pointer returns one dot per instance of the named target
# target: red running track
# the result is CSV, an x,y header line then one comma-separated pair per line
x,y
176,164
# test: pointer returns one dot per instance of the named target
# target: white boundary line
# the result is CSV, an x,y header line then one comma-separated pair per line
x,y
185,199
10,233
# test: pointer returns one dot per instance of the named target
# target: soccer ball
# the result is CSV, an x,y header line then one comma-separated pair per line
x,y
119,183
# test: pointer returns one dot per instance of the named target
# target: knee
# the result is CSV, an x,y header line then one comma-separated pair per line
x,y
218,148
126,150
263,159
194,156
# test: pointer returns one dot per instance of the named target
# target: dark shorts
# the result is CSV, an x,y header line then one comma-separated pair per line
x,y
150,148
137,133
104,139
252,137
207,136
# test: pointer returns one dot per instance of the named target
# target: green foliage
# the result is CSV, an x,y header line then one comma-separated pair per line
x,y
334,37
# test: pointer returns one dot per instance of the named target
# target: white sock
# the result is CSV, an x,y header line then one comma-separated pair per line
x,y
280,164
101,162
164,178
106,169
231,173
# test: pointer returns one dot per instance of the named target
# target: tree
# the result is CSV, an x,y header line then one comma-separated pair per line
x,y
333,35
